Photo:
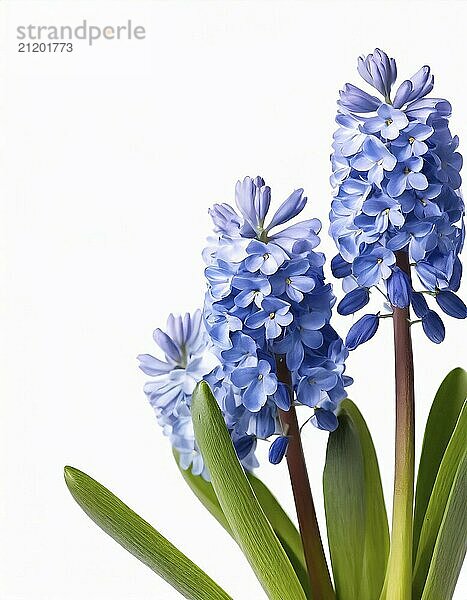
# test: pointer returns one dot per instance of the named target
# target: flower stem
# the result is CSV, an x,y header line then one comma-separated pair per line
x,y
398,583
318,572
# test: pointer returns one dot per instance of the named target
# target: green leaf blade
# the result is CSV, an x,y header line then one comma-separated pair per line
x,y
451,544
443,488
281,523
246,518
356,517
284,528
205,493
441,422
140,539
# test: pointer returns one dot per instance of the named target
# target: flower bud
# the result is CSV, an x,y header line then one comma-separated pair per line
x,y
278,449
433,327
419,304
399,288
324,419
451,304
340,268
353,301
362,331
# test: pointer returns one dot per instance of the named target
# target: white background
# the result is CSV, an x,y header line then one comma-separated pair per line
x,y
111,156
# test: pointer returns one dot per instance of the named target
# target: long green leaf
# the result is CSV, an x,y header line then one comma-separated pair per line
x,y
437,506
441,421
451,545
141,539
356,517
283,527
205,493
285,530
245,516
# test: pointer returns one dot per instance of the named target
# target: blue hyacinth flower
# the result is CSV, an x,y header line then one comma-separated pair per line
x,y
396,188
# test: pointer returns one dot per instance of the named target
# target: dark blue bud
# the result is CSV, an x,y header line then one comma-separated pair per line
x,y
362,331
277,449
456,276
451,304
399,288
419,304
324,419
353,301
433,327
340,268
244,445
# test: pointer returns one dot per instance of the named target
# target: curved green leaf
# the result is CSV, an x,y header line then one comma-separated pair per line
x,y
141,539
245,516
451,545
438,505
442,419
285,530
356,517
205,493
283,527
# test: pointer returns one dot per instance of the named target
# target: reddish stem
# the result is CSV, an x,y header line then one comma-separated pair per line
x,y
318,571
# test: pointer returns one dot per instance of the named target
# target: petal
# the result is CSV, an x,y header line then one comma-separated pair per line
x,y
312,339
257,319
245,298
418,181
303,283
295,355
324,419
244,376
153,366
273,330
254,262
294,294
167,345
308,394
289,209
254,396
269,266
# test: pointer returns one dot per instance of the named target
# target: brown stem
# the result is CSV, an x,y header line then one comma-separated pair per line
x,y
318,572
399,574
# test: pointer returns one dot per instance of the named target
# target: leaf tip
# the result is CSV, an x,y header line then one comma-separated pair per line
x,y
201,395
72,476
202,387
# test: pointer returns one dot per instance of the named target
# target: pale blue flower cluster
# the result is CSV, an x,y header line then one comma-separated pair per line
x,y
267,297
396,189
188,360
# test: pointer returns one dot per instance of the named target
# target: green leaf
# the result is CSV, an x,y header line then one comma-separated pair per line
x,y
205,493
141,539
442,419
451,464
451,545
285,530
245,516
356,517
283,527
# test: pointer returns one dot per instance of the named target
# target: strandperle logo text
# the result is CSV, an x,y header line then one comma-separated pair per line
x,y
83,31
